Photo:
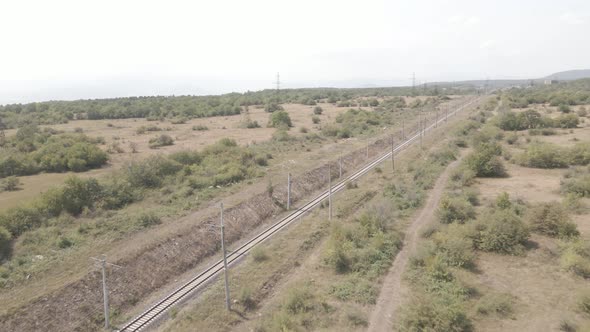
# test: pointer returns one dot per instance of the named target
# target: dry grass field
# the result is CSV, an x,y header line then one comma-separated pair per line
x,y
546,297
123,132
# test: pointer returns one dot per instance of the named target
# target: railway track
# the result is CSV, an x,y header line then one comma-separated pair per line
x,y
199,281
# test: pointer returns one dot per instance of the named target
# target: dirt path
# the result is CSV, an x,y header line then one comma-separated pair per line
x,y
392,291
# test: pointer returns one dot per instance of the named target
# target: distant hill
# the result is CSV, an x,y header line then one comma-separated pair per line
x,y
569,75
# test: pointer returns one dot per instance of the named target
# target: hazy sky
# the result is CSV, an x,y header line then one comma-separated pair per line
x,y
85,49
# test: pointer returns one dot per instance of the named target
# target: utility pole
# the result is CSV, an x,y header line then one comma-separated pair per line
x,y
340,166
288,191
227,302
330,192
436,123
420,121
103,265
392,155
278,82
403,131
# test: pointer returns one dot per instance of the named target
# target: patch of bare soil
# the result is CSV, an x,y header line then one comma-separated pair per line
x,y
531,184
393,292
545,294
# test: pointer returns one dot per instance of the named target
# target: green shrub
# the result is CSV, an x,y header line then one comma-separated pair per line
x,y
511,138
149,173
404,196
259,254
11,183
200,128
577,182
317,110
5,243
579,154
65,243
575,257
551,219
280,119
454,246
273,107
316,119
462,177
246,300
148,219
455,209
162,140
281,135
543,155
484,160
501,231
564,108
435,314
529,119
567,121
355,289
298,300
78,194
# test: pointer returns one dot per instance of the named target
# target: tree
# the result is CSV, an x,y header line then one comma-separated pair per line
x,y
280,119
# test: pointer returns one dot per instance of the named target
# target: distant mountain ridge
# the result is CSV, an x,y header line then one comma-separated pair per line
x,y
569,75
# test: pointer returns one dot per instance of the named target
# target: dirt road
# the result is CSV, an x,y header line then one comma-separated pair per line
x,y
392,291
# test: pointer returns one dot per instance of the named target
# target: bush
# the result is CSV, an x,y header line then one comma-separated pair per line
x,y
148,219
579,154
298,300
200,128
11,183
259,255
577,182
5,243
551,219
245,298
567,121
273,107
318,110
564,108
455,209
484,161
501,231
315,119
280,119
575,257
435,314
162,140
454,246
543,155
